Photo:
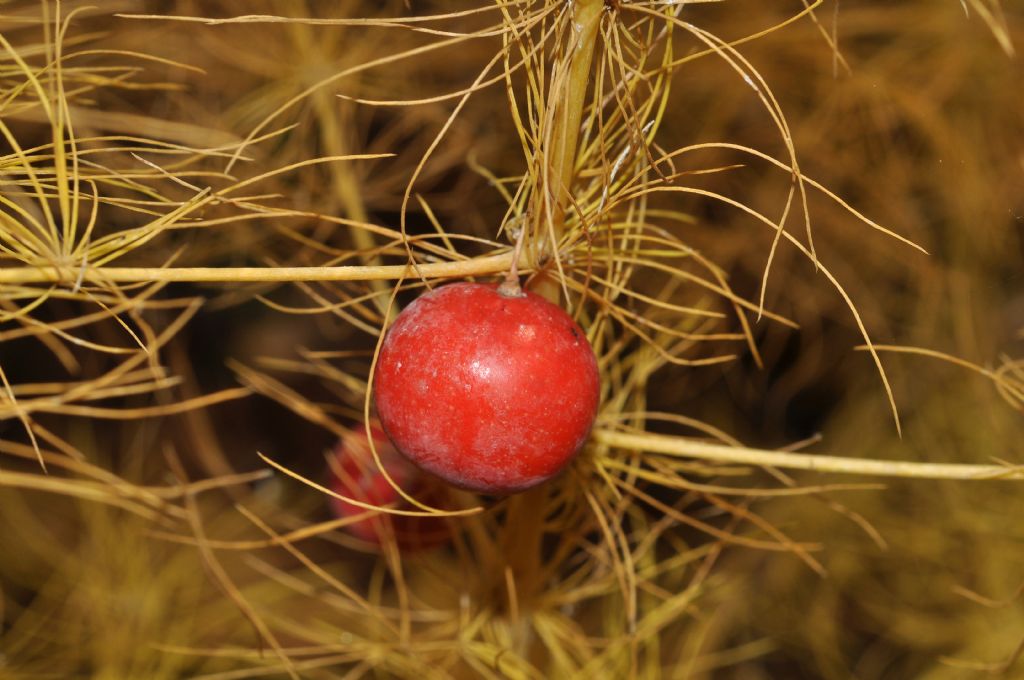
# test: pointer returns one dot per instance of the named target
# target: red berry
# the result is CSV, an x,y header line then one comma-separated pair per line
x,y
491,392
361,479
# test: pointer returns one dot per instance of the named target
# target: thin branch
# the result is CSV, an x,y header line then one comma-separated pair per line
x,y
721,453
494,264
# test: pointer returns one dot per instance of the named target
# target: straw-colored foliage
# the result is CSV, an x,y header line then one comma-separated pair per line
x,y
784,227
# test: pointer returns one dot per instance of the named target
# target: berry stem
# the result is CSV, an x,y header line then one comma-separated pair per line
x,y
510,286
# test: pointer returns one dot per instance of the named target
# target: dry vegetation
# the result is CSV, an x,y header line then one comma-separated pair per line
x,y
792,230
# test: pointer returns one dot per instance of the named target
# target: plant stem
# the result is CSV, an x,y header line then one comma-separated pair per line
x,y
522,542
492,264
721,453
567,101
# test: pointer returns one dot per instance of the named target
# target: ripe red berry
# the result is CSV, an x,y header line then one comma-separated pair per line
x,y
491,392
359,478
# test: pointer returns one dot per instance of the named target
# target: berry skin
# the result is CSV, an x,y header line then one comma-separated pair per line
x,y
491,392
361,479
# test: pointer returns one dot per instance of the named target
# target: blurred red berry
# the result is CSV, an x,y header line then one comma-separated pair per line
x,y
361,479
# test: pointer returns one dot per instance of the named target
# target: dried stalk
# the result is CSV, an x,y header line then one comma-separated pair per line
x,y
720,453
493,264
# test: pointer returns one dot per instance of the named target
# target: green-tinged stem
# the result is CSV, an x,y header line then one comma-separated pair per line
x,y
568,115
567,100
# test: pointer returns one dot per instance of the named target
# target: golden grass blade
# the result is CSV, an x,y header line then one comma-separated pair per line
x,y
689,448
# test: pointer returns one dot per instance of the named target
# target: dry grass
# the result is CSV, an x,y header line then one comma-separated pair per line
x,y
207,221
